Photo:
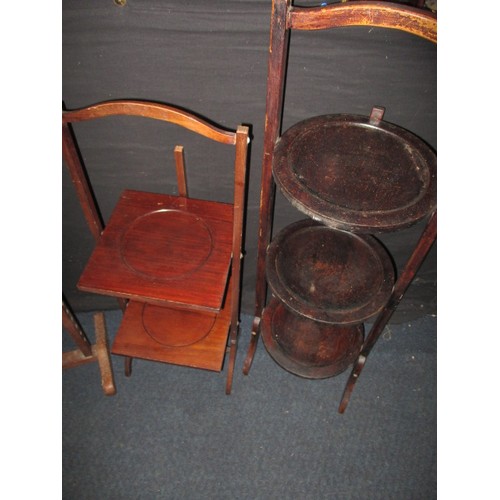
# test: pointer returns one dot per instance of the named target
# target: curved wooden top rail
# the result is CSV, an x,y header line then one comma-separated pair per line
x,y
380,14
153,110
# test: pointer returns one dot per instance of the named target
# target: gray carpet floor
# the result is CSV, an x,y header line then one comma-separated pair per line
x,y
172,433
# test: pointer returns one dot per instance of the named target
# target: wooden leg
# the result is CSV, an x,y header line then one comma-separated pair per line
x,y
252,347
260,299
101,351
128,366
233,342
410,270
88,353
277,64
267,205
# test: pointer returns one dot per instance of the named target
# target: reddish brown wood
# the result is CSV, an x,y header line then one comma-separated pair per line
x,y
237,255
87,352
171,255
380,14
81,183
181,170
152,110
101,352
143,253
83,187
182,337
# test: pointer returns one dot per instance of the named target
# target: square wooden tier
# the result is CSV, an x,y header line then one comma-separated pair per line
x,y
164,250
189,338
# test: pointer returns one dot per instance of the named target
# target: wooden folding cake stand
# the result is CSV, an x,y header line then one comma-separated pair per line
x,y
174,262
352,176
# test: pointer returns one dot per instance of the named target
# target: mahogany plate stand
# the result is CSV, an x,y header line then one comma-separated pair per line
x,y
353,176
174,262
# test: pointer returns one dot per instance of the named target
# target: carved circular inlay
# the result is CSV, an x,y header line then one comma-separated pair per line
x,y
156,244
176,328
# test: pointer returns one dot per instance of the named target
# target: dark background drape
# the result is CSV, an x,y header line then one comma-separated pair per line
x,y
211,58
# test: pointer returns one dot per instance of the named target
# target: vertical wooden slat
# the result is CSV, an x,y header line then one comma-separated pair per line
x,y
240,173
277,61
81,183
180,168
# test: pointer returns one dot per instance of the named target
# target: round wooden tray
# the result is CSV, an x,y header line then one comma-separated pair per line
x,y
356,173
307,348
327,274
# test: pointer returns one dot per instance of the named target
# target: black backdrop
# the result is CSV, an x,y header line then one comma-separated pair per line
x,y
210,57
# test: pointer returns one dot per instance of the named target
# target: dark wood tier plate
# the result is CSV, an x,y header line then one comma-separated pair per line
x,y
356,175
308,348
327,274
141,254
